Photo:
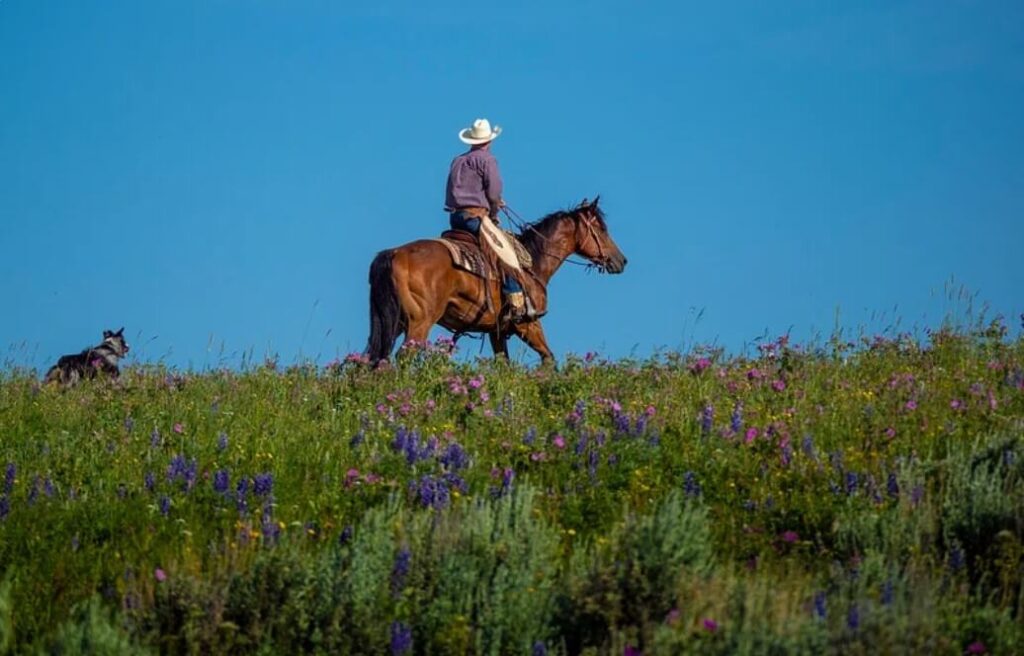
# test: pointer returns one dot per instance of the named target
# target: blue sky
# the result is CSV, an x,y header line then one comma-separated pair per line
x,y
216,176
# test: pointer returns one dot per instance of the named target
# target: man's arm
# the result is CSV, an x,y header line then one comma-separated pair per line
x,y
493,186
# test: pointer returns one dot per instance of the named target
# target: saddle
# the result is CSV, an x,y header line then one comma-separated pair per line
x,y
467,254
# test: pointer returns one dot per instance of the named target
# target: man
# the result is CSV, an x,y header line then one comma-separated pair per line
x,y
473,195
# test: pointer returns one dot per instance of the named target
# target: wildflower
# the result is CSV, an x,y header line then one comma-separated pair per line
x,y
33,491
454,457
750,505
159,575
165,506
707,418
736,420
956,404
807,445
154,438
710,624
357,439
581,445
346,535
853,618
699,366
956,558
751,435
9,473
149,480
754,374
790,537
476,382
530,437
622,422
5,507
222,441
401,638
691,487
851,483
182,470
786,456
892,486
819,605
539,648
263,484
221,481
433,492
178,428
122,490
559,441
241,491
916,494
976,647
129,424
890,432
887,593
778,385
400,570
911,405
630,650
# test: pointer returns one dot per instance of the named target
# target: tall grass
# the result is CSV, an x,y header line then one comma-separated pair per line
x,y
851,498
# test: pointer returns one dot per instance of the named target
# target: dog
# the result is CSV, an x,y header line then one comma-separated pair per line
x,y
70,369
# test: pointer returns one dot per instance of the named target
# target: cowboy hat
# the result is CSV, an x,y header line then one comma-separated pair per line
x,y
480,133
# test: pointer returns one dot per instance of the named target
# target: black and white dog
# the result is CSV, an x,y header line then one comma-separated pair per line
x,y
102,358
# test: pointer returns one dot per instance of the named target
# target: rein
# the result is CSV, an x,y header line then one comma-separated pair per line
x,y
523,226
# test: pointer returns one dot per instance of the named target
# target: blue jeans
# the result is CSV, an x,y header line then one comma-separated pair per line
x,y
463,221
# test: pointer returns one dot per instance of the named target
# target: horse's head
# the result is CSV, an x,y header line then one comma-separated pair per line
x,y
592,239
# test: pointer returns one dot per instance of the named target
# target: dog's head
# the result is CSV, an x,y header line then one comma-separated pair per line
x,y
115,340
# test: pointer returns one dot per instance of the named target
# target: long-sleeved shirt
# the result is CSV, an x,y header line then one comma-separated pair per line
x,y
473,181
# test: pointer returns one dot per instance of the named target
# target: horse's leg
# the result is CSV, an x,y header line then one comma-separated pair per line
x,y
499,344
533,334
414,293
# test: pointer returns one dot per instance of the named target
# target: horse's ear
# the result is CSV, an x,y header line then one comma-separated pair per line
x,y
594,202
107,333
584,204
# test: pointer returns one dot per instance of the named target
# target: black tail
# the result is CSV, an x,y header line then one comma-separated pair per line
x,y
386,322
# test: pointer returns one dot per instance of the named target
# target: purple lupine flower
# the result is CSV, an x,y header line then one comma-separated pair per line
x,y
5,507
346,535
853,618
357,439
690,485
820,609
507,476
454,457
977,647
851,483
221,481
892,486
149,480
640,426
165,506
432,492
154,438
400,570
122,490
129,424
581,445
48,487
9,473
182,470
621,422
786,454
956,559
807,445
241,491
592,460
263,484
887,593
707,418
539,649
836,458
916,494
530,437
401,638
736,420
222,441
270,529
33,491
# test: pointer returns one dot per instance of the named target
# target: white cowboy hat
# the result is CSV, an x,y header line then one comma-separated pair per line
x,y
480,133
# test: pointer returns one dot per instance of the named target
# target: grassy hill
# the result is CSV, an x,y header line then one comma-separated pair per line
x,y
849,498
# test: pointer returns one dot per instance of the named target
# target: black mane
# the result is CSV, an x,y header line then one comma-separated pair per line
x,y
534,232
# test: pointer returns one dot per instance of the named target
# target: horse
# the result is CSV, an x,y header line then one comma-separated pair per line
x,y
415,286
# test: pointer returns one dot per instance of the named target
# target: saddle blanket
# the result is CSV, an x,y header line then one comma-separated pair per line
x,y
466,254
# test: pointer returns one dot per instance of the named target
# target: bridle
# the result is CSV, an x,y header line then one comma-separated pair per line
x,y
588,217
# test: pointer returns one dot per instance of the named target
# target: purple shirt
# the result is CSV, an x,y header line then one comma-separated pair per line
x,y
473,181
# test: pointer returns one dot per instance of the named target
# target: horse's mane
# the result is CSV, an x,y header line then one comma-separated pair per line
x,y
531,232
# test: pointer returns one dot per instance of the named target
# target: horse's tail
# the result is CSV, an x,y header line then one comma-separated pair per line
x,y
386,322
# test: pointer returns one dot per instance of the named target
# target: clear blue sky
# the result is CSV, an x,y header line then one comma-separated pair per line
x,y
216,176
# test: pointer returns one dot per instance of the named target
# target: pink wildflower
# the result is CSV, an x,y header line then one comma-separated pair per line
x,y
751,435
790,537
160,575
778,384
559,441
178,428
976,647
710,624
911,405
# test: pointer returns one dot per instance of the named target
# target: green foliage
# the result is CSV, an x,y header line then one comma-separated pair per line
x,y
847,499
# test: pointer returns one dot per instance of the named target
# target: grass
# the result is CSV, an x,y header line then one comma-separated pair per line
x,y
848,498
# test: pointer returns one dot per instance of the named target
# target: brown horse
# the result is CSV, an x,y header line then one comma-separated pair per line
x,y
415,286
